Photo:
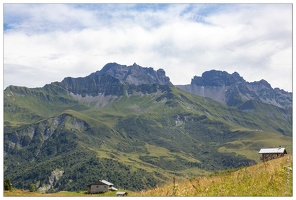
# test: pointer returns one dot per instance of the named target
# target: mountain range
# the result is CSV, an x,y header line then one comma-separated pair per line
x,y
131,126
233,90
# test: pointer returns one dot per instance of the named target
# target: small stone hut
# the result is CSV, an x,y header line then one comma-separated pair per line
x,y
272,153
100,186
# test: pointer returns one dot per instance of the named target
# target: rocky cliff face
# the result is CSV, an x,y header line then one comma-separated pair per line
x,y
94,85
217,78
233,90
135,74
115,79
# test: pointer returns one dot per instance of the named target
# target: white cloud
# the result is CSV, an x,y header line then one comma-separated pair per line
x,y
185,40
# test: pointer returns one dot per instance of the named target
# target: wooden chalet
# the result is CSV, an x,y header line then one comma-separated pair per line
x,y
272,153
100,186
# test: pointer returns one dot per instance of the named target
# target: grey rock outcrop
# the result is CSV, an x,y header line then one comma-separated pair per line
x,y
233,90
135,74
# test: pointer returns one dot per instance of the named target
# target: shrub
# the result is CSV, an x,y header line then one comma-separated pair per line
x,y
7,184
32,187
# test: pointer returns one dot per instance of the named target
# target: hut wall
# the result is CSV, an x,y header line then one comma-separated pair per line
x,y
270,156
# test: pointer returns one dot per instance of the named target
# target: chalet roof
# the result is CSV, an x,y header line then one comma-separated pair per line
x,y
98,183
103,182
106,182
273,150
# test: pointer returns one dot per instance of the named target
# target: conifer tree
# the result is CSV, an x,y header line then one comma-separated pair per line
x,y
32,187
7,184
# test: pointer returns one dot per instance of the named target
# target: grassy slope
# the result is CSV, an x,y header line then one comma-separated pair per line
x,y
256,140
25,105
273,178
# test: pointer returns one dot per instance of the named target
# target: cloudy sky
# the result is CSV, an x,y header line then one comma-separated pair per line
x,y
44,43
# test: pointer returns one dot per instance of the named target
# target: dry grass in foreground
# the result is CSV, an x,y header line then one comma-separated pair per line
x,y
26,193
272,178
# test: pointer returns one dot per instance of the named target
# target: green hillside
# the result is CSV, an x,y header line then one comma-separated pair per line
x,y
139,140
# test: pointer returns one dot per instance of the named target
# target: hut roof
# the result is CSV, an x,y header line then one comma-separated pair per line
x,y
273,150
106,182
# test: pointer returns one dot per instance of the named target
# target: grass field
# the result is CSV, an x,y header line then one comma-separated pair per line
x,y
273,178
245,146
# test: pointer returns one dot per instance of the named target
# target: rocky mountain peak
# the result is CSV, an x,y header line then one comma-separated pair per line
x,y
261,83
116,70
216,78
114,79
233,90
135,74
135,65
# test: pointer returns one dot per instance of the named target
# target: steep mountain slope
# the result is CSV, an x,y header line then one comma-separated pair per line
x,y
233,90
132,131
